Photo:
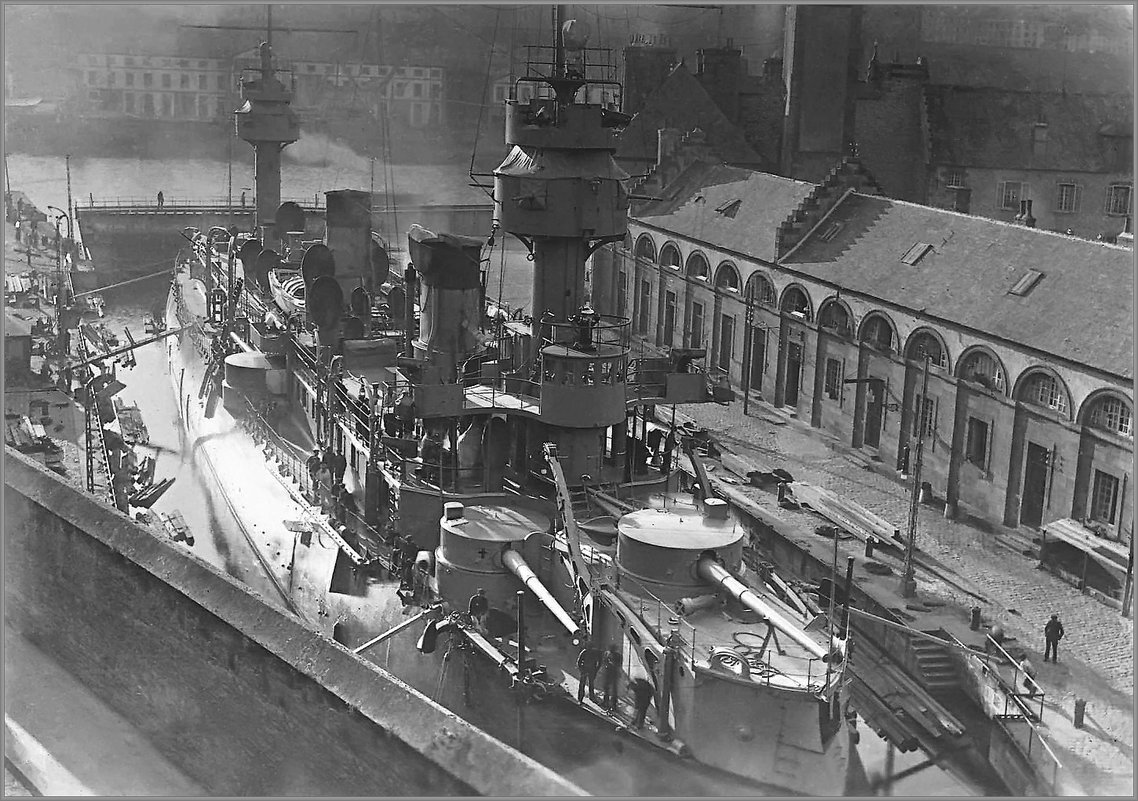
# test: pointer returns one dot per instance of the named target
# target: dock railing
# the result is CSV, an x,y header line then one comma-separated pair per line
x,y
1018,722
172,203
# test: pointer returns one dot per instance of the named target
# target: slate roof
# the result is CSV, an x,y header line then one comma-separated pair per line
x,y
680,102
1080,310
995,128
1024,69
689,207
16,325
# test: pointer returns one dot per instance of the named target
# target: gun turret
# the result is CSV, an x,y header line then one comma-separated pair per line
x,y
710,570
517,565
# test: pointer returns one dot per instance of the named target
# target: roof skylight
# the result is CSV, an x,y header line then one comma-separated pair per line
x,y
916,253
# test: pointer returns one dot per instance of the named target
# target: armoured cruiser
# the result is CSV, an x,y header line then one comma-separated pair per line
x,y
471,458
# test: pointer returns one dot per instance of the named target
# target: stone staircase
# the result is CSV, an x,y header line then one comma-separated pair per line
x,y
935,665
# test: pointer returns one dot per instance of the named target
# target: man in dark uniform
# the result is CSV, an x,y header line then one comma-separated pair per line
x,y
313,464
339,466
588,663
642,694
610,662
478,608
1052,633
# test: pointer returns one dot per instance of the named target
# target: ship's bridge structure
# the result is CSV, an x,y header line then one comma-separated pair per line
x,y
267,122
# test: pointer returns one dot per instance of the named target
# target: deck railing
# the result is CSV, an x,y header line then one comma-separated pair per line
x,y
172,203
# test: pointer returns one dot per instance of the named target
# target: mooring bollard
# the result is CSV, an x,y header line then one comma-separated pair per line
x,y
870,542
974,624
1080,711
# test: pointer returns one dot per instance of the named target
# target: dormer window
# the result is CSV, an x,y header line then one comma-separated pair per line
x,y
730,208
916,253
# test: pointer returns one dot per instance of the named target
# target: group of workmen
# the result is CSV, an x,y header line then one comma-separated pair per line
x,y
592,662
326,469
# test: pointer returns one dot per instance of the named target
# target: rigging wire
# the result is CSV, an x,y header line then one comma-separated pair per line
x,y
485,90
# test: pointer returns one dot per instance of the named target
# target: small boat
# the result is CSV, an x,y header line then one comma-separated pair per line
x,y
287,287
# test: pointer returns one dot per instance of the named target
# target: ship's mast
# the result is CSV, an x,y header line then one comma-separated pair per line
x,y
559,190
268,123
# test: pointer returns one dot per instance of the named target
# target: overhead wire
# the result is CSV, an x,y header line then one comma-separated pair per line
x,y
485,90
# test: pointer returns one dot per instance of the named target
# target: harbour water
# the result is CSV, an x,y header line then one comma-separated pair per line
x,y
217,537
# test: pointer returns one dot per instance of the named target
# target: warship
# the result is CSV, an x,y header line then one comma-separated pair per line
x,y
482,503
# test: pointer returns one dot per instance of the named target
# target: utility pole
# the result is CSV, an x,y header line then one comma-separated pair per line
x,y
748,347
908,581
70,233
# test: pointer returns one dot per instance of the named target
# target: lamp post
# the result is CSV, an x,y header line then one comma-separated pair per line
x,y
60,336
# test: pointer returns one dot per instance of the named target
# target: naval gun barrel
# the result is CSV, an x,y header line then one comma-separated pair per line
x,y
517,565
717,574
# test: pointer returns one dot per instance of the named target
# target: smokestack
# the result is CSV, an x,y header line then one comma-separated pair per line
x,y
1028,220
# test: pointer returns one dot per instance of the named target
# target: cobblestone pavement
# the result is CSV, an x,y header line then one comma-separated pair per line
x,y
1097,659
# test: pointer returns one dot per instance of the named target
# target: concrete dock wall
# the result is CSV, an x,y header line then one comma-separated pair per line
x,y
239,696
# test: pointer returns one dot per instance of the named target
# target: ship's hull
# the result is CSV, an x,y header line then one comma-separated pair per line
x,y
589,748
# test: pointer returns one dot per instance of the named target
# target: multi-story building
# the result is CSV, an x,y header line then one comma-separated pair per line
x,y
829,300
190,88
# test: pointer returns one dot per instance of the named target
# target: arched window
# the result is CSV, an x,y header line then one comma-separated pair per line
x,y
835,317
670,256
697,266
761,289
1112,413
925,343
982,368
877,332
1043,389
795,301
646,248
727,277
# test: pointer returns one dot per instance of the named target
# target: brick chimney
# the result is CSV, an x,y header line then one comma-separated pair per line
x,y
1126,237
719,70
1028,219
645,68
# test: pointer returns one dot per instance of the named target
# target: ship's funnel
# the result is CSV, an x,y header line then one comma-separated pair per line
x,y
449,271
715,573
517,565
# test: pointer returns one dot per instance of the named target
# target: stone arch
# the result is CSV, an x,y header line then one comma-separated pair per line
x,y
981,365
727,277
760,288
1042,386
878,330
697,266
796,300
927,340
646,248
670,256
1108,410
835,314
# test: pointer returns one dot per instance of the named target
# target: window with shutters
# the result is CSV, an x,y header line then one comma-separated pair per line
x,y
1104,497
645,302
978,447
833,383
726,341
929,416
696,337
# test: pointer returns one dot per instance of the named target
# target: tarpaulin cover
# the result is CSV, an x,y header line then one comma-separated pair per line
x,y
550,165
